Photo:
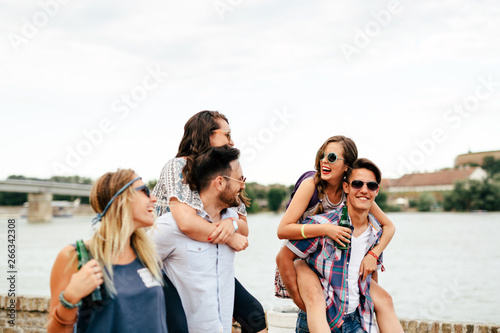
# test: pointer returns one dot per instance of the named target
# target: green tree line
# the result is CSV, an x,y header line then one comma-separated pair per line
x,y
469,195
477,194
263,197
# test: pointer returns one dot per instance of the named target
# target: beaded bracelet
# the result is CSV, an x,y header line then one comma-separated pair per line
x,y
67,304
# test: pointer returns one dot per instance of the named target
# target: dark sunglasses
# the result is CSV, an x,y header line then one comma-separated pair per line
x,y
144,189
331,157
357,184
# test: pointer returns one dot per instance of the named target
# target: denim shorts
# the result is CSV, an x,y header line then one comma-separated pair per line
x,y
301,326
352,324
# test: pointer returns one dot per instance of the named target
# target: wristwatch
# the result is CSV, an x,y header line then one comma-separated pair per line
x,y
235,224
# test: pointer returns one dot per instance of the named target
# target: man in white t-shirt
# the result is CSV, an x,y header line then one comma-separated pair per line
x,y
203,273
348,301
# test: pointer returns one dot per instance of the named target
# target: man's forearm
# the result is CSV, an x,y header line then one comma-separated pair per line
x,y
242,225
190,223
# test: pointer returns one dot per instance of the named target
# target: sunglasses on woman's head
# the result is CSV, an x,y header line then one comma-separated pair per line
x,y
331,157
226,132
357,184
144,189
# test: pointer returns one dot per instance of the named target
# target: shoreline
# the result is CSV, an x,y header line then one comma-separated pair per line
x,y
86,210
15,211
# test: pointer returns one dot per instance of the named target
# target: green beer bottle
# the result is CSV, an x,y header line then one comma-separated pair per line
x,y
83,258
344,222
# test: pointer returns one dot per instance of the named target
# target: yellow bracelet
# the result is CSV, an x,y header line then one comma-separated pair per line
x,y
302,231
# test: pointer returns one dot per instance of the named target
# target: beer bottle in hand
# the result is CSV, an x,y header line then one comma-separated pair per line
x,y
344,222
83,258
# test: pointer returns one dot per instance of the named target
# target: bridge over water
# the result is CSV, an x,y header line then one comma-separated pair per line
x,y
40,194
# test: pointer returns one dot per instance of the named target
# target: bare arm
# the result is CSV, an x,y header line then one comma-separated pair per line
x,y
75,283
169,186
284,260
288,227
243,225
387,226
369,263
238,242
197,228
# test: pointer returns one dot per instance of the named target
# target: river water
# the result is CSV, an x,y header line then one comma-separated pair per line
x,y
439,266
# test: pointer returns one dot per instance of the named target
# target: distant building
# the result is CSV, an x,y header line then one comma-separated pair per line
x,y
410,186
475,158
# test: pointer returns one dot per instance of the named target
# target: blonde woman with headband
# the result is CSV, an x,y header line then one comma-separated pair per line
x,y
125,266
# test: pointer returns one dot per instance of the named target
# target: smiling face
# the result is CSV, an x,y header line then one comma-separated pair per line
x,y
360,199
332,172
222,135
230,196
142,206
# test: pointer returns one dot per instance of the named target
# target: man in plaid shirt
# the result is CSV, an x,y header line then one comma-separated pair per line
x,y
348,301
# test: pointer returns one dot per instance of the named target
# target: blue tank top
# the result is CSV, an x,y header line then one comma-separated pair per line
x,y
138,306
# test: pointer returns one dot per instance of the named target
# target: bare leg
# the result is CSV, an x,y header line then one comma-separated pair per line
x,y
387,319
311,293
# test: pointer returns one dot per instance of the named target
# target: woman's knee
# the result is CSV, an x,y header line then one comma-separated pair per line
x,y
382,299
308,282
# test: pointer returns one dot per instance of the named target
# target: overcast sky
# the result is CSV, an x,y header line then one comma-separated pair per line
x,y
90,86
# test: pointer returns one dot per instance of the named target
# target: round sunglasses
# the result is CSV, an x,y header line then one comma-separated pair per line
x,y
331,157
358,184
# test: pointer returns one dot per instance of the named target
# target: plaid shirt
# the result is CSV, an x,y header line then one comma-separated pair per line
x,y
331,263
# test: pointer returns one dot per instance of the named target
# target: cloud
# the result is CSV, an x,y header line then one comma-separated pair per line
x,y
263,55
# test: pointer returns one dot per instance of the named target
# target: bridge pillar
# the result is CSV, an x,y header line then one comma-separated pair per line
x,y
40,207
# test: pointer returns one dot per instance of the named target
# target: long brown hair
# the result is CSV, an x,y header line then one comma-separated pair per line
x,y
196,138
350,155
197,131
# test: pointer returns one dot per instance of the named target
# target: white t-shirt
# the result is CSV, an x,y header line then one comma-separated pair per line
x,y
358,250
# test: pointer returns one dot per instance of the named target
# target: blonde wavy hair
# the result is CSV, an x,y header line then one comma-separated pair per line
x,y
111,237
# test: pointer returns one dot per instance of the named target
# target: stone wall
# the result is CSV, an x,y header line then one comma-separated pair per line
x,y
28,314
414,326
31,314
